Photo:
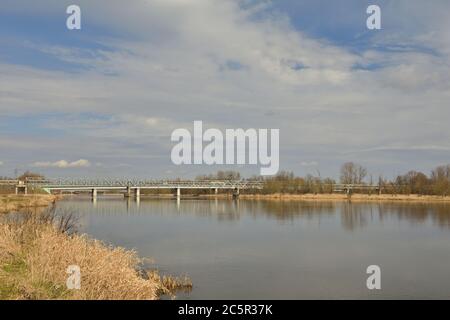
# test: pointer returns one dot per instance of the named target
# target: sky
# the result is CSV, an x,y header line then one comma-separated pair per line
x,y
103,101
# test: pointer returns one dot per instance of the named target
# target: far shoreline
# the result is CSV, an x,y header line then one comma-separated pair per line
x,y
11,202
357,197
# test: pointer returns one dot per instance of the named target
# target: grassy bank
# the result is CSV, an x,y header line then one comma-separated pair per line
x,y
10,203
337,197
344,197
36,250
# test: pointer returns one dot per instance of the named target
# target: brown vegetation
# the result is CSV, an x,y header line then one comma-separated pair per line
x,y
11,203
28,175
344,197
36,250
411,183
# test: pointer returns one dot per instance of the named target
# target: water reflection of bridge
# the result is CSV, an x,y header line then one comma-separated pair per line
x,y
351,215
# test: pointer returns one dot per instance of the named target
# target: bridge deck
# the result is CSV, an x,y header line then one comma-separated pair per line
x,y
141,184
112,184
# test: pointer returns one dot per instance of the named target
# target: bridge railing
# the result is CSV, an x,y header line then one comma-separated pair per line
x,y
144,183
356,186
8,182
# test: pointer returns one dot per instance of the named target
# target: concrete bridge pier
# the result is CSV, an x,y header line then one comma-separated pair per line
x,y
216,191
236,193
178,193
94,195
128,192
138,193
21,189
349,192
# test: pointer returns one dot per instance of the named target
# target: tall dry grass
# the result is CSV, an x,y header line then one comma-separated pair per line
x,y
36,250
11,203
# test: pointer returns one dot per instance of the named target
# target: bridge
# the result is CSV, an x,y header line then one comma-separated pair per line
x,y
20,186
349,188
134,187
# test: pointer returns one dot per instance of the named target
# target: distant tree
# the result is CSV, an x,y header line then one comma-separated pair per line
x,y
228,175
284,176
352,173
328,185
30,175
221,175
414,182
440,179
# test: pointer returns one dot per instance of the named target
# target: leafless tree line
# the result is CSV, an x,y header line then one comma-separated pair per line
x,y
413,182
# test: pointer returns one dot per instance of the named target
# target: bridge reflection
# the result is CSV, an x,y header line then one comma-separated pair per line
x,y
353,216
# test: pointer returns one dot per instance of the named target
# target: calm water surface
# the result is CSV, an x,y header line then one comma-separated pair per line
x,y
281,250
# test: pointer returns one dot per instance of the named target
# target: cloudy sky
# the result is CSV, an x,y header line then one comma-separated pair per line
x,y
103,100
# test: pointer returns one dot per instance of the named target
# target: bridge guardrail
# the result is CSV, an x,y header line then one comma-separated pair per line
x,y
8,182
145,183
194,184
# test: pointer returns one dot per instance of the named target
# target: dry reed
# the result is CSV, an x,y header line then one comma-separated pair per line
x,y
36,251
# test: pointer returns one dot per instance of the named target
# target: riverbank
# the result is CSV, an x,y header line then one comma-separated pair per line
x,y
301,197
11,203
37,250
337,197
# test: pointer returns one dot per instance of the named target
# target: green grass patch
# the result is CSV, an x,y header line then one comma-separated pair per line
x,y
7,291
50,290
16,267
15,273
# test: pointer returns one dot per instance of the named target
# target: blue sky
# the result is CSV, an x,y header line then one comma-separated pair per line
x,y
113,92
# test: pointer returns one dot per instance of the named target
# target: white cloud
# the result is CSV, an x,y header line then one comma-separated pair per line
x,y
63,164
1,163
309,163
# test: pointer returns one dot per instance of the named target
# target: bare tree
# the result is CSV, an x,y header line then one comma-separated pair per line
x,y
30,175
440,177
352,173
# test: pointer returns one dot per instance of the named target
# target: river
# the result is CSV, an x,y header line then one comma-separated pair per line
x,y
256,249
